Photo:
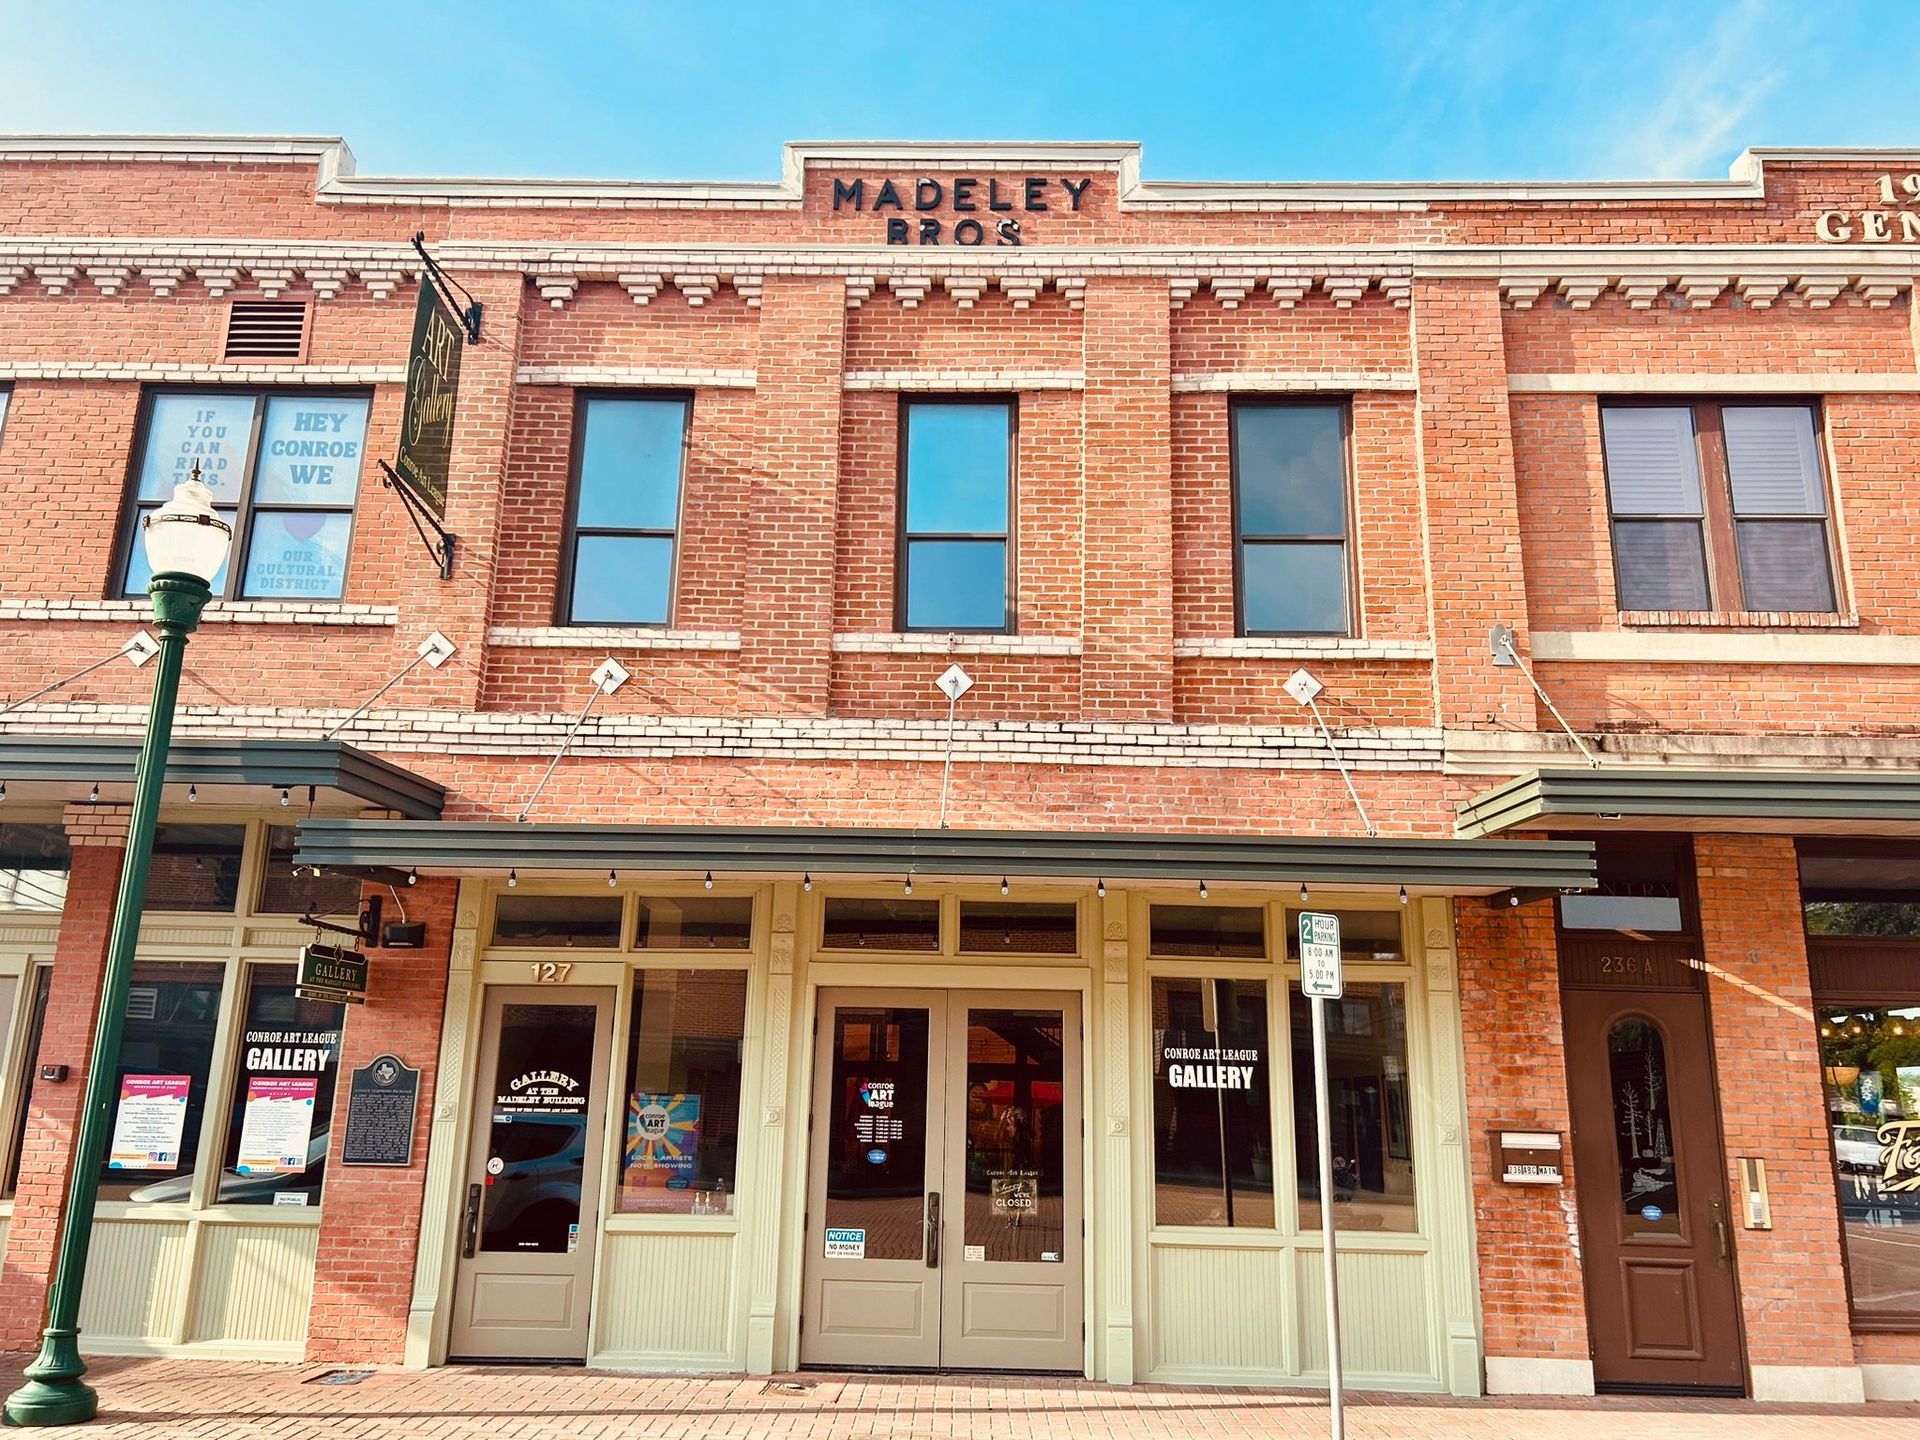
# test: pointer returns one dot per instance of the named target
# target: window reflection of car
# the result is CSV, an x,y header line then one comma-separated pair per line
x,y
235,1189
536,1195
1856,1148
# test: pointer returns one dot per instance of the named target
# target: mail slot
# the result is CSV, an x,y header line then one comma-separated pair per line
x,y
1528,1157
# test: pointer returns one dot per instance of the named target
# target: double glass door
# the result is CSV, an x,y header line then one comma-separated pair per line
x,y
944,1187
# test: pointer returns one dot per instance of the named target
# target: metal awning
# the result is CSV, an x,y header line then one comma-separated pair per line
x,y
249,773
1467,867
1864,802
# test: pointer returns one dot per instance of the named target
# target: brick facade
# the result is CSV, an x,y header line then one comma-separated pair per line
x,y
1470,331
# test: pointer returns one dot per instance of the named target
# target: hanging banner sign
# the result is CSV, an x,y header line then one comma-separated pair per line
x,y
329,973
433,381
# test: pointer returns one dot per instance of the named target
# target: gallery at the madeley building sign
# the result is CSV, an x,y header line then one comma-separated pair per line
x,y
817,703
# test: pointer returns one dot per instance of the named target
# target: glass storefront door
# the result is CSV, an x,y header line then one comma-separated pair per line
x,y
944,1190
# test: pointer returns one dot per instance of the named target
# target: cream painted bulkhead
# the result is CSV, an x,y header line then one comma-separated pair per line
x,y
722,1292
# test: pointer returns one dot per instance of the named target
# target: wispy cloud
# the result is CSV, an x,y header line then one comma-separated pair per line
x,y
1707,89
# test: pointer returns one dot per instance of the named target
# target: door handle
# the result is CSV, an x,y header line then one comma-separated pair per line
x,y
1722,1243
933,1230
471,1228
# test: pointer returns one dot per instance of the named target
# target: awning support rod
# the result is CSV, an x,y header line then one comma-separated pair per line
x,y
140,648
435,651
608,677
1306,690
1503,645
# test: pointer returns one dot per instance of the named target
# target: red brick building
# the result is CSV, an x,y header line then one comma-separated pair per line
x,y
1581,508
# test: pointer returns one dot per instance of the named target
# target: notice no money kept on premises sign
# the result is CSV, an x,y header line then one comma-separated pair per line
x,y
1320,970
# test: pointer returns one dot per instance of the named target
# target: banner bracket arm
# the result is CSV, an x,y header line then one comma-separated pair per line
x,y
470,312
441,548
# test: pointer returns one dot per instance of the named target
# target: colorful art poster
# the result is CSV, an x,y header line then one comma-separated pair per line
x,y
663,1141
277,1129
150,1120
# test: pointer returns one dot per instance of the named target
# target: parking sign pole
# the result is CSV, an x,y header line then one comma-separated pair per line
x,y
1336,1374
1322,976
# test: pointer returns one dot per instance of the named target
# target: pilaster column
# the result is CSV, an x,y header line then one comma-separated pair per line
x,y
1452,1182
767,1201
1113,1140
98,835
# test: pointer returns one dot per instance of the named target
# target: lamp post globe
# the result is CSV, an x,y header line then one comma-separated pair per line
x,y
187,544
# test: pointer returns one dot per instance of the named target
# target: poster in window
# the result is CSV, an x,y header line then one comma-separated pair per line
x,y
149,1122
278,1125
663,1141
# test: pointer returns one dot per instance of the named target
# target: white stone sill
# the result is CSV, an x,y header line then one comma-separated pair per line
x,y
957,644
218,612
1725,647
1300,647
596,637
1741,619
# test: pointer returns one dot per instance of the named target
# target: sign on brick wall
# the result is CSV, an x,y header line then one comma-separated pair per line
x,y
433,380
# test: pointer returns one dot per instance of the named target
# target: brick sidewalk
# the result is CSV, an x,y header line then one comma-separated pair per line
x,y
213,1400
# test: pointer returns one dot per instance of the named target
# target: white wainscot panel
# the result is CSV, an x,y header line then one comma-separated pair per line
x,y
256,1283
1386,1319
1218,1313
137,1272
666,1302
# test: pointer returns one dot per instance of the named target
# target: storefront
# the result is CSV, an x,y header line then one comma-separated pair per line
x,y
1029,1123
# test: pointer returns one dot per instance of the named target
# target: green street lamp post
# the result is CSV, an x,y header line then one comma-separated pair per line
x,y
186,543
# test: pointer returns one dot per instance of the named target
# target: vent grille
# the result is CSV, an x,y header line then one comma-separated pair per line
x,y
266,329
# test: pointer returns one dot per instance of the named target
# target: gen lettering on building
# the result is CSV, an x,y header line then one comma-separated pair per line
x,y
965,193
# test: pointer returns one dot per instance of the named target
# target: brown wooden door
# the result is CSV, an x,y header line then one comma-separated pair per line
x,y
1663,1307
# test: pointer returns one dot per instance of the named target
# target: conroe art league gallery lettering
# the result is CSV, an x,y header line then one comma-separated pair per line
x,y
993,198
1216,1073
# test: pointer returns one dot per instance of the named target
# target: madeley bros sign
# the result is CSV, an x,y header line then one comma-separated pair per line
x,y
962,210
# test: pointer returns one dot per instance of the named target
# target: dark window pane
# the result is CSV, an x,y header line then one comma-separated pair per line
x,y
683,1091
1015,1135
957,584
622,580
1643,1129
543,1094
1369,1103
34,862
1870,1069
877,1130
1294,589
1662,564
297,554
281,1110
283,892
1773,459
860,924
27,1067
957,471
1783,564
581,921
1212,1119
1018,928
630,459
1214,931
165,1054
196,867
1653,464
1292,468
699,922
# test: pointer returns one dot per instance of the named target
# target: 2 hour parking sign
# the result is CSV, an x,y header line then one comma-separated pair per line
x,y
1320,972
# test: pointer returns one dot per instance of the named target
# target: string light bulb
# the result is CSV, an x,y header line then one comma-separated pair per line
x,y
413,876
513,878
1403,894
1203,889
909,885
709,880
3,789
612,879
286,797
1100,888
806,882
94,795
1303,892
193,793
1003,884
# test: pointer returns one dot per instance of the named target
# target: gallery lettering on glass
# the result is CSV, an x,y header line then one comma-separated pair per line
x,y
779,768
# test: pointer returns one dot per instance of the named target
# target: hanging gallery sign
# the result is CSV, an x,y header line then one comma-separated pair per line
x,y
425,456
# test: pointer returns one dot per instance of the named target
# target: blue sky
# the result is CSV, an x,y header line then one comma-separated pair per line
x,y
1231,89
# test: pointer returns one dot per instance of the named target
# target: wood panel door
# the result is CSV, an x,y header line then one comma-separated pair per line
x,y
1663,1305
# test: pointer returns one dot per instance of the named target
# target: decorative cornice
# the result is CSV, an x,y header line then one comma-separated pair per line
x,y
1204,382
171,374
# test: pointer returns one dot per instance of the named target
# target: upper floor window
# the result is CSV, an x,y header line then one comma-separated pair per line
x,y
1290,518
1718,507
284,469
955,548
6,394
629,459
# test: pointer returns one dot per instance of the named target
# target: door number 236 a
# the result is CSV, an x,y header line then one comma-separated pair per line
x,y
551,972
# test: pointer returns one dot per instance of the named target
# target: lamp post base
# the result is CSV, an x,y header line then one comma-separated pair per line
x,y
54,1393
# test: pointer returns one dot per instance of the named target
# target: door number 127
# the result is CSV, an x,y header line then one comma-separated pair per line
x,y
551,972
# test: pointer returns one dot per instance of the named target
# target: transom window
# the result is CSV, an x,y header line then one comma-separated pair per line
x,y
1290,518
1718,507
629,462
957,503
284,468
